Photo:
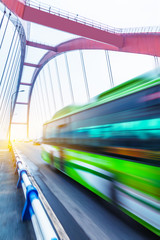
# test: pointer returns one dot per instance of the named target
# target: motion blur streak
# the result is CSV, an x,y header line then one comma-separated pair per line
x,y
112,146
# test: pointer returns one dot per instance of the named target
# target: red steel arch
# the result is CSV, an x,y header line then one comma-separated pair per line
x,y
143,43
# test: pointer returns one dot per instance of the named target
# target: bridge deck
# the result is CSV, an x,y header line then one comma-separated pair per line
x,y
11,201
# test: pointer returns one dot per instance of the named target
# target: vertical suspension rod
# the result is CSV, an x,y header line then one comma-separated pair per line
x,y
42,97
35,110
109,69
5,30
11,89
59,83
156,61
9,72
46,89
84,75
52,88
40,109
2,18
69,78
10,97
9,52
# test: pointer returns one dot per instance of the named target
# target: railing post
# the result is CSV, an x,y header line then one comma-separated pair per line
x,y
33,209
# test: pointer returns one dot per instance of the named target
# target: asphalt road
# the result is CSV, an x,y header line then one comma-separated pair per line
x,y
83,214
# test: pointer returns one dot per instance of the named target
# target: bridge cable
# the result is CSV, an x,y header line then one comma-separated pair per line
x,y
10,95
11,89
10,92
52,88
2,19
35,111
9,52
59,82
109,68
39,113
10,70
43,101
5,30
69,78
38,96
46,90
84,74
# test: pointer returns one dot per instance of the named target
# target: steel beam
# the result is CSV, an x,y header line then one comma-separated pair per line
x,y
22,103
26,84
31,65
67,25
41,46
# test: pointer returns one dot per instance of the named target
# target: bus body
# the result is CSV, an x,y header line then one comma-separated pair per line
x,y
112,147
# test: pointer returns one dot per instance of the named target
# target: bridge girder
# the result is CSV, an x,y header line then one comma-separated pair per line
x,y
134,42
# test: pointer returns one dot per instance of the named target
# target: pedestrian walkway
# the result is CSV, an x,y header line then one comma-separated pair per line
x,y
11,201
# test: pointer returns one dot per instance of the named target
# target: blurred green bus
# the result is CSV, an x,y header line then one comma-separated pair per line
x,y
112,147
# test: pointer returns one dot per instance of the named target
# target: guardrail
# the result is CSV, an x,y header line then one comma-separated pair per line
x,y
33,209
89,22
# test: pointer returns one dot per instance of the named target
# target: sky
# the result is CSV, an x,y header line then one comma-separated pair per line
x,y
115,13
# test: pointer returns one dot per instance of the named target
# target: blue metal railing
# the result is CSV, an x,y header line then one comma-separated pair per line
x,y
33,209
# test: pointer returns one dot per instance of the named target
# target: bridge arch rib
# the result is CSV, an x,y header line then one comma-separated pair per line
x,y
74,44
